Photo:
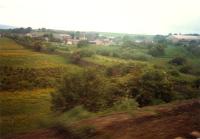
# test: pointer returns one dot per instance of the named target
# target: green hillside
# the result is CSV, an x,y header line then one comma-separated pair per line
x,y
25,69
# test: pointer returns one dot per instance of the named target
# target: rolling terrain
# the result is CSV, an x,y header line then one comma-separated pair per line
x,y
29,79
178,120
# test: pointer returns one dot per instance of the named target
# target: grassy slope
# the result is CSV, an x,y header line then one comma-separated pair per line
x,y
14,55
110,61
26,110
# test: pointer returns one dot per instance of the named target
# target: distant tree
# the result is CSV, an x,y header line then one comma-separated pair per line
x,y
21,30
159,39
43,29
28,29
77,34
128,41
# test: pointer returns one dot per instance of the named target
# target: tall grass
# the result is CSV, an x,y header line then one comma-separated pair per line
x,y
23,111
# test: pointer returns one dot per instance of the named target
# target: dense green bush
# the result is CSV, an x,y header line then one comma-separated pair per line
x,y
84,88
125,105
157,50
119,69
186,69
153,85
90,89
124,53
178,61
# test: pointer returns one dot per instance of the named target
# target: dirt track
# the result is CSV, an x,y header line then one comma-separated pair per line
x,y
168,121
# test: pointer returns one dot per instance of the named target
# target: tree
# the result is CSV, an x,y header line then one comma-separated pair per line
x,y
83,88
128,41
153,87
160,39
158,50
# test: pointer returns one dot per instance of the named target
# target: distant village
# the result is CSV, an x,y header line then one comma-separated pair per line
x,y
95,38
183,37
73,38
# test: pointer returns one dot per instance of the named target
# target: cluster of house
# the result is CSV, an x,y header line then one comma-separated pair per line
x,y
183,38
73,40
70,40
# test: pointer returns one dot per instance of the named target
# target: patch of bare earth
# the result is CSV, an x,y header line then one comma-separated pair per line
x,y
180,120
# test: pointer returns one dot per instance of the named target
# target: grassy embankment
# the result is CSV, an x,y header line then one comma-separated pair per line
x,y
25,105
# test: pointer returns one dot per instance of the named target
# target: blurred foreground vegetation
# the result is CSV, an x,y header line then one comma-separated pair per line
x,y
44,84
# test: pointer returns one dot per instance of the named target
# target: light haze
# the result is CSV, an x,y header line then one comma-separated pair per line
x,y
128,16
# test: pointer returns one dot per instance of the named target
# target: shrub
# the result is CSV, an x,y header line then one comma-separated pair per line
x,y
74,114
153,85
125,105
186,69
83,88
69,132
82,43
86,53
174,73
119,69
178,61
75,58
158,50
197,83
90,89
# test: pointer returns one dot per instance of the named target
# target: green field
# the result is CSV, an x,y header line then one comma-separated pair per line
x,y
8,44
14,55
28,77
25,69
27,106
24,110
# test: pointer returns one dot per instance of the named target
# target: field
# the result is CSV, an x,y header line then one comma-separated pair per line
x,y
24,110
118,78
15,55
25,69
26,78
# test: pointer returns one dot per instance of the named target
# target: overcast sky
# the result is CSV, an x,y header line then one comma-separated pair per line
x,y
130,16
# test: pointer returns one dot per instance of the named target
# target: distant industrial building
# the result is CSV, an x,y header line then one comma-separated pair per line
x,y
180,37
